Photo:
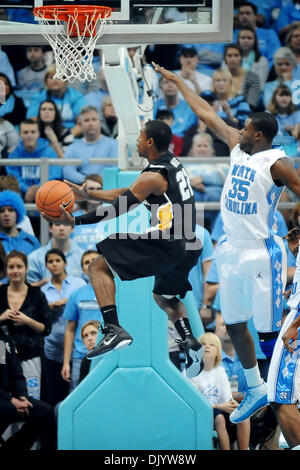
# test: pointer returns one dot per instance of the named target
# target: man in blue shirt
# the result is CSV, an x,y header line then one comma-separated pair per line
x,y
92,145
81,307
268,39
31,146
38,274
12,212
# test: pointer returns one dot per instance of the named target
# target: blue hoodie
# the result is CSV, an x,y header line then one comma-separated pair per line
x,y
29,175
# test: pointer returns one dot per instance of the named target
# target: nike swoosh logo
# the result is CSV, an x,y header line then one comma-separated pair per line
x,y
66,204
108,342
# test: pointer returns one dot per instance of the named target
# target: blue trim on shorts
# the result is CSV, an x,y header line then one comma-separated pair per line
x,y
276,261
285,384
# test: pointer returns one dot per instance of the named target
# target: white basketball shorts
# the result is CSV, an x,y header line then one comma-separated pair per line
x,y
252,275
284,371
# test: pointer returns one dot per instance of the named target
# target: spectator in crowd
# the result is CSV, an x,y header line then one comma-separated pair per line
x,y
51,127
184,117
207,179
293,42
89,333
198,273
6,68
214,385
286,113
189,59
9,140
246,83
12,108
109,119
31,146
68,100
24,310
38,274
94,98
284,64
167,116
86,236
81,307
295,217
3,277
237,380
252,59
230,104
12,212
16,405
288,17
268,40
57,292
31,77
11,183
92,145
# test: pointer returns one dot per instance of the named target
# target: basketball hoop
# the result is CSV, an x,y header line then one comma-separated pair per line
x,y
72,32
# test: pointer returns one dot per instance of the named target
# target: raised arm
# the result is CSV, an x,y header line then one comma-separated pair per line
x,y
204,111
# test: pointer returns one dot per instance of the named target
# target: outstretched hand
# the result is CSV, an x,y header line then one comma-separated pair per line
x,y
83,194
165,73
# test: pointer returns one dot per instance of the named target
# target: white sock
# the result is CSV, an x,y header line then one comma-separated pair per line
x,y
253,376
296,447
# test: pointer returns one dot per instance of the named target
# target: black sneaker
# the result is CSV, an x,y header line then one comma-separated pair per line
x,y
115,338
193,356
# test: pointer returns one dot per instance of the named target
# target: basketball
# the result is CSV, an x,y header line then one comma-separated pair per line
x,y
53,194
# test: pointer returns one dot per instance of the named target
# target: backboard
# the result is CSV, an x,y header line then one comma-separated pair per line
x,y
133,22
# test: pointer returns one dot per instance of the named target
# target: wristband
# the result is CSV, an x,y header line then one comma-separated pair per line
x,y
206,306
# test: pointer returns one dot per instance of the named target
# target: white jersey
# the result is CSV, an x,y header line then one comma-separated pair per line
x,y
294,299
250,196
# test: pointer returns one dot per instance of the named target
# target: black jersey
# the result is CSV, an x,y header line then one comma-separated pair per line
x,y
173,212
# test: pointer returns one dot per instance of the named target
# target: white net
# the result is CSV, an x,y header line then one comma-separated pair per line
x,y
73,42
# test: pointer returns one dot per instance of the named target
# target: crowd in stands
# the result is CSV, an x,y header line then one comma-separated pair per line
x,y
47,305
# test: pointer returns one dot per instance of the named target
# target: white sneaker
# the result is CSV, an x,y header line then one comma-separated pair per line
x,y
255,399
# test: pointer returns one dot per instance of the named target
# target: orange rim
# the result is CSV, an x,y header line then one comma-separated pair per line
x,y
63,12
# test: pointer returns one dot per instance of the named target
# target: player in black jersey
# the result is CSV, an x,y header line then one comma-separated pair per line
x,y
168,250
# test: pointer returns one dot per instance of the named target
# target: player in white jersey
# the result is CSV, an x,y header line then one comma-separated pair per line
x,y
251,261
284,372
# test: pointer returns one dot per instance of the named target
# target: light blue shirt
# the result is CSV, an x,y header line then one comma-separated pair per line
x,y
184,117
104,147
82,307
88,235
54,342
196,274
36,262
232,367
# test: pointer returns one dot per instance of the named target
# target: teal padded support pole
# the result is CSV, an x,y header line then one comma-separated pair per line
x,y
136,399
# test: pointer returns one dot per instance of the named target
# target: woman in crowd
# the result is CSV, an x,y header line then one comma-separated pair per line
x,y
285,112
207,179
68,100
52,129
251,56
57,292
109,120
229,103
9,140
246,82
214,384
12,108
24,310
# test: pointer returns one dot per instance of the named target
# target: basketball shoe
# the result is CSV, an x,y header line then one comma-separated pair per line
x,y
193,355
255,399
115,338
